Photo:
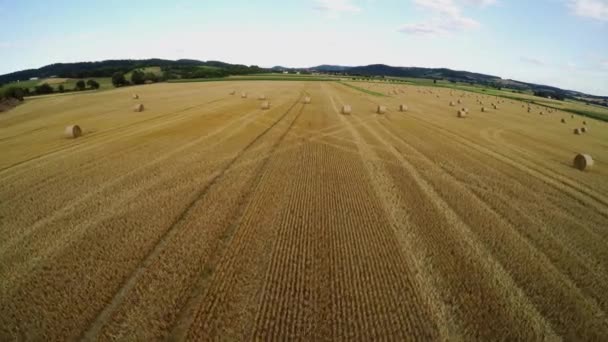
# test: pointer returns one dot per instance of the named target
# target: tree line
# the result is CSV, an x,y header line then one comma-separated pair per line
x,y
19,93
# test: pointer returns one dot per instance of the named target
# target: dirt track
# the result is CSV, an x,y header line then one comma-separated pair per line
x,y
206,217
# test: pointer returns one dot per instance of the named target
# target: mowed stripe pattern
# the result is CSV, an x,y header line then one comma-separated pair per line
x,y
205,217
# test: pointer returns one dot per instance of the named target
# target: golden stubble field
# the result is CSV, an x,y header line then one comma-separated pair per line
x,y
205,217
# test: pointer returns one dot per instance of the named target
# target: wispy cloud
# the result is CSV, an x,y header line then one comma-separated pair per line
x,y
594,9
532,60
447,17
336,6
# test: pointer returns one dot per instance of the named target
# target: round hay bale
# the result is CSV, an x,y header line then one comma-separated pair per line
x,y
584,122
381,109
459,101
265,105
571,116
135,96
583,161
541,112
233,92
483,109
262,97
403,108
584,129
346,109
577,131
138,107
243,95
307,100
462,114
73,131
452,104
563,120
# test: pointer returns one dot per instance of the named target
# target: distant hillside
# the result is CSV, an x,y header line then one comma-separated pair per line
x,y
186,68
381,70
189,68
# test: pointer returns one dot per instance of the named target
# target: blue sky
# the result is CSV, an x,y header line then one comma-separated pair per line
x,y
556,42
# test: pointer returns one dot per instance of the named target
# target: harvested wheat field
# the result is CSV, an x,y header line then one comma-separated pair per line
x,y
205,217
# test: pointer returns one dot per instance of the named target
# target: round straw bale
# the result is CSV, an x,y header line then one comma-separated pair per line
x,y
307,99
577,131
265,105
135,96
381,109
563,120
138,107
452,103
403,108
483,109
459,101
262,97
243,95
73,131
584,122
462,114
584,129
233,92
346,109
583,161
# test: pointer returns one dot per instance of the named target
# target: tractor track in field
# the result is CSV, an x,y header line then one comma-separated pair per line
x,y
398,218
130,282
187,313
71,206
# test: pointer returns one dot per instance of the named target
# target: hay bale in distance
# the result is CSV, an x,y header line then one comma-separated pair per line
x,y
583,129
563,120
135,96
403,108
262,97
483,109
243,95
307,100
452,103
577,131
381,109
233,92
138,107
346,109
265,105
462,114
583,161
584,122
73,131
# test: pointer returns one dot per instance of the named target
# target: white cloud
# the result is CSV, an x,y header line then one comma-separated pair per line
x,y
440,26
595,9
533,60
336,6
448,17
482,3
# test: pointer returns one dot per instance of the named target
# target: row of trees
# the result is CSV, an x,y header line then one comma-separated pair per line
x,y
45,88
137,77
